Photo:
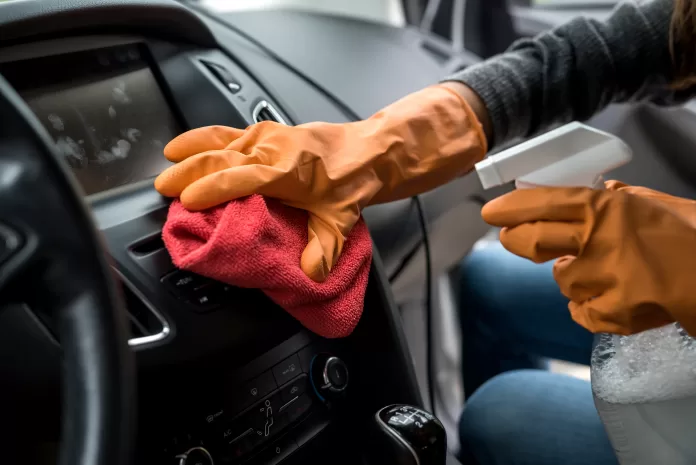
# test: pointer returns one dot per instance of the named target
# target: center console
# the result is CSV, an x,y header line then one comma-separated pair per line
x,y
265,411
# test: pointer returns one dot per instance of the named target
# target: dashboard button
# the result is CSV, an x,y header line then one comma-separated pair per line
x,y
183,282
262,415
294,389
260,386
252,391
236,434
310,428
239,445
279,451
255,427
287,370
208,298
208,413
281,421
211,417
298,408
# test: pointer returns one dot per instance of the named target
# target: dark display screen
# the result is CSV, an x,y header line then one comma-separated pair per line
x,y
105,110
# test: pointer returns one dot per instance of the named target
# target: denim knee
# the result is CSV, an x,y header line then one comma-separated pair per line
x,y
533,417
491,422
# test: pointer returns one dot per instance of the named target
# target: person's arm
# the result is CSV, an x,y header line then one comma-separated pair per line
x,y
574,71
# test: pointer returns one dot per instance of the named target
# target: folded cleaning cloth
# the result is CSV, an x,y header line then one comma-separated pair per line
x,y
256,242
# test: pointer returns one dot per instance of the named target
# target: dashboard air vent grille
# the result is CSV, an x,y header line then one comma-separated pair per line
x,y
264,111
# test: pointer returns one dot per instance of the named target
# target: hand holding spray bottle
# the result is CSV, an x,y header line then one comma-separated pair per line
x,y
644,385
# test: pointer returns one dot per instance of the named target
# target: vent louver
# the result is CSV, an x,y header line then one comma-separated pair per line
x,y
264,111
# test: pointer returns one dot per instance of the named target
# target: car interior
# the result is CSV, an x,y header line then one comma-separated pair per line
x,y
110,355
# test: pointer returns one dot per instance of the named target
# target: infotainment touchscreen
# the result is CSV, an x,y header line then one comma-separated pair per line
x,y
105,110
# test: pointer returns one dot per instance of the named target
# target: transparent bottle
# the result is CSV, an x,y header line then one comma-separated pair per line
x,y
644,387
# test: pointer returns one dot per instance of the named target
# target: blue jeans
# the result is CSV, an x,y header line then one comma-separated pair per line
x,y
513,318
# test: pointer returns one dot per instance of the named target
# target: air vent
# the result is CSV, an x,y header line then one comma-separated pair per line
x,y
148,246
264,111
146,324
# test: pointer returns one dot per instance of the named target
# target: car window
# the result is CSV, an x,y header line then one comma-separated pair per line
x,y
573,3
385,11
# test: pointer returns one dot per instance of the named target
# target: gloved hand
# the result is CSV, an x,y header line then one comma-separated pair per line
x,y
332,171
625,255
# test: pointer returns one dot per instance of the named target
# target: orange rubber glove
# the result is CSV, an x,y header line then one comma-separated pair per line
x,y
332,171
625,255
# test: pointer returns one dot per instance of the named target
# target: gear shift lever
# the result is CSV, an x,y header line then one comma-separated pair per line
x,y
407,435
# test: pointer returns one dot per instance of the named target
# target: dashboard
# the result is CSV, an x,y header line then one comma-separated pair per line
x,y
224,375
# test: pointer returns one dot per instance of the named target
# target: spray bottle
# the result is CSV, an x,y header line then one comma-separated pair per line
x,y
644,385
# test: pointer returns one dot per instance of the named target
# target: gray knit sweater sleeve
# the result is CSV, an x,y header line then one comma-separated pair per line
x,y
575,70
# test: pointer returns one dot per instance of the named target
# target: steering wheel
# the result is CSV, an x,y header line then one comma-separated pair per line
x,y
47,239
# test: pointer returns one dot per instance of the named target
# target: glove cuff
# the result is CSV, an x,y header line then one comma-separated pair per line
x,y
471,114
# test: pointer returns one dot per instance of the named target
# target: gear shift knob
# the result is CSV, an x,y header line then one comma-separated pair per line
x,y
407,435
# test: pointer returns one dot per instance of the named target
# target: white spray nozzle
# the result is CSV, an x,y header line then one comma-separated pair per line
x,y
572,155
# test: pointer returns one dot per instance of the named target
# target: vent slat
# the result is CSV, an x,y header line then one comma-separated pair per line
x,y
264,111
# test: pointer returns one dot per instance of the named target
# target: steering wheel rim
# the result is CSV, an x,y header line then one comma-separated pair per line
x,y
47,236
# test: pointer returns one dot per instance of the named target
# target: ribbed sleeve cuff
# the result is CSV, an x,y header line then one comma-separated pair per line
x,y
484,79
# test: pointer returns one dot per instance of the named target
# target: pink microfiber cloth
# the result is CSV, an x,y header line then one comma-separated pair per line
x,y
256,242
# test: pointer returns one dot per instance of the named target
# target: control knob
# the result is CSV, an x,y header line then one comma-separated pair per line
x,y
195,456
329,376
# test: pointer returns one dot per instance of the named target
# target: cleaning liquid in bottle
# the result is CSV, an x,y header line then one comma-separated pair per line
x,y
644,385
644,388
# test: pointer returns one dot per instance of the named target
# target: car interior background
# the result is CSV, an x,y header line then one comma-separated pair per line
x,y
225,370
